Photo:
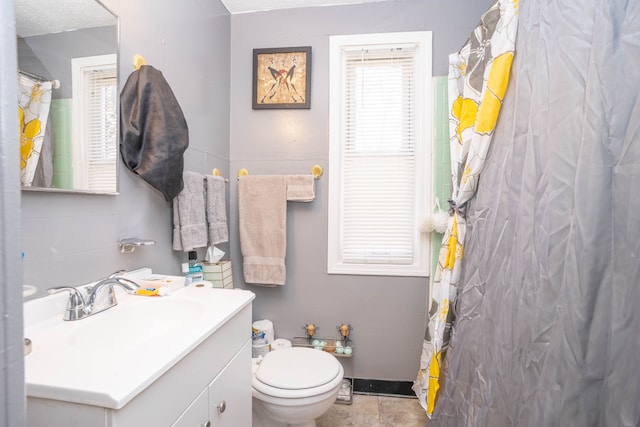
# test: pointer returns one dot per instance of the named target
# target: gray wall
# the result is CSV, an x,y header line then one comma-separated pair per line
x,y
205,55
387,313
70,239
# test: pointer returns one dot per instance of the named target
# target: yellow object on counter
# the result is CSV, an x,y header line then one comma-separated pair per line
x,y
161,290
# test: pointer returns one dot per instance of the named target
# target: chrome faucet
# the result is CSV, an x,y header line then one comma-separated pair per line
x,y
100,297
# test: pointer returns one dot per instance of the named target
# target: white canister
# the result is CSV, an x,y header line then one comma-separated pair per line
x,y
262,332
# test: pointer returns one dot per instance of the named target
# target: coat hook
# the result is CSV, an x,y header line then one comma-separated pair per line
x,y
138,61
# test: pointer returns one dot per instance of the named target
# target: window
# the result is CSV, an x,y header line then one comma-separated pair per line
x,y
380,159
95,122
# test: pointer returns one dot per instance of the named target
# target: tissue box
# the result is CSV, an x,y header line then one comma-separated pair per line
x,y
226,283
219,274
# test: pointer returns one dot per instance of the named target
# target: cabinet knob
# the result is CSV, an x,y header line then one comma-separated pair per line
x,y
222,406
207,424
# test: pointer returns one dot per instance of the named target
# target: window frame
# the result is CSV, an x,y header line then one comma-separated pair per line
x,y
420,266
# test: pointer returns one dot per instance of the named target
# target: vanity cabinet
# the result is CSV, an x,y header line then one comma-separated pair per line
x,y
225,402
211,383
197,414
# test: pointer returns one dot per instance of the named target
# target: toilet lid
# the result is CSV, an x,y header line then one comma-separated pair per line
x,y
297,368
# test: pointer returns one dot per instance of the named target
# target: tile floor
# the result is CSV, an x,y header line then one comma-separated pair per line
x,y
375,411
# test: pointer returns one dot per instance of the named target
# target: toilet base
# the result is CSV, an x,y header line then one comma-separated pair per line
x,y
261,419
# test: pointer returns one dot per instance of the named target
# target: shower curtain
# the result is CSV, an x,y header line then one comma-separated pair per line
x,y
478,80
548,325
34,102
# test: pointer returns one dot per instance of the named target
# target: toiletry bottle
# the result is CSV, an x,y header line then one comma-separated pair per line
x,y
188,279
195,267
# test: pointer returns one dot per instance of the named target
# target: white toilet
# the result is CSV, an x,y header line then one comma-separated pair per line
x,y
294,386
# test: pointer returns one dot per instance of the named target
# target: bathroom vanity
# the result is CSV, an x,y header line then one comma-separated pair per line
x,y
178,360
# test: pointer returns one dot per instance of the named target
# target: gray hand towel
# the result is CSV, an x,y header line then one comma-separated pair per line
x,y
218,231
189,217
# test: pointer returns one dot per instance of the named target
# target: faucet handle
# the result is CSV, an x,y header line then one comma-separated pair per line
x,y
75,304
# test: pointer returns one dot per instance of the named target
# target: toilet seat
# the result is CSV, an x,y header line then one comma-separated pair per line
x,y
297,372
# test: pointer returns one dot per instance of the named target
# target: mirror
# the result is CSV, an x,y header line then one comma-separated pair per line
x,y
68,96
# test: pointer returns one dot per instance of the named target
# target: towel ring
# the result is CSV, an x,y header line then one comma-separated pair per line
x,y
243,172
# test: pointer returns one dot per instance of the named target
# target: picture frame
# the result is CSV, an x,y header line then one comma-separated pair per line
x,y
282,78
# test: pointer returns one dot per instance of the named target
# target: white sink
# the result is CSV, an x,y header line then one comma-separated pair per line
x,y
108,358
136,323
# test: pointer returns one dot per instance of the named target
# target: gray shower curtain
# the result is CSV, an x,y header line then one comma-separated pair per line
x,y
548,316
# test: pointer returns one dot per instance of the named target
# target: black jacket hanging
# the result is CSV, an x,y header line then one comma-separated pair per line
x,y
153,131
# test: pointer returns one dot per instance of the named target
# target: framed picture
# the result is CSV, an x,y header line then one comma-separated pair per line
x,y
282,78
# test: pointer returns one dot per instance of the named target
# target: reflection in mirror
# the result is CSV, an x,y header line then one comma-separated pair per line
x,y
68,94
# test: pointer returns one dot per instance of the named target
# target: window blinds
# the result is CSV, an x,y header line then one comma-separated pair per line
x,y
378,156
102,129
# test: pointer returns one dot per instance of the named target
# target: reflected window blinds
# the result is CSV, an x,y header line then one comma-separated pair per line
x,y
102,129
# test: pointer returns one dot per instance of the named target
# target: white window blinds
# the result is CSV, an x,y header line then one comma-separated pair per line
x,y
102,129
380,156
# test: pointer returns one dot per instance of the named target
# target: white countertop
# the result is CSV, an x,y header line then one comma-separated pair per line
x,y
108,358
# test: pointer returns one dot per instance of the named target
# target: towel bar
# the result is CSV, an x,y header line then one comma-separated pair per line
x,y
216,172
316,171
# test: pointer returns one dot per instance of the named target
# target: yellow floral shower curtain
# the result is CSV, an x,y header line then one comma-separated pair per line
x,y
34,102
478,80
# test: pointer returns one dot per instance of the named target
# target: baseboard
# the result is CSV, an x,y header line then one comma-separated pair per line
x,y
383,387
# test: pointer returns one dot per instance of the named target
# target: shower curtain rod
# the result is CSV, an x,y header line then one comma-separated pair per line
x,y
54,83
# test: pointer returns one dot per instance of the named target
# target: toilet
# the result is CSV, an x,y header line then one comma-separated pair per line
x,y
294,386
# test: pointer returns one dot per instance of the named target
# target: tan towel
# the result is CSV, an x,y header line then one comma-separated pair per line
x,y
262,209
300,188
189,217
216,207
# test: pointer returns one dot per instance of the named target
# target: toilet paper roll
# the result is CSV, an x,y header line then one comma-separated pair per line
x,y
262,332
279,344
260,350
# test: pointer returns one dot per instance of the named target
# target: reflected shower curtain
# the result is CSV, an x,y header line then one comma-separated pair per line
x,y
548,320
478,80
34,102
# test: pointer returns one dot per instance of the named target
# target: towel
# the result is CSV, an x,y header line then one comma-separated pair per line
x,y
189,216
153,131
262,209
300,188
217,228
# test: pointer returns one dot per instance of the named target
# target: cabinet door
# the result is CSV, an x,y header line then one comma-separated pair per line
x,y
230,392
197,414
